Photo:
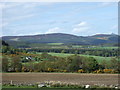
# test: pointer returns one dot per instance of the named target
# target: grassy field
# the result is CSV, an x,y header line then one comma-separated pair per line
x,y
95,47
105,47
54,43
98,58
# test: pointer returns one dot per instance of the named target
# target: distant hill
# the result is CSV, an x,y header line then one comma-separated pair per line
x,y
61,38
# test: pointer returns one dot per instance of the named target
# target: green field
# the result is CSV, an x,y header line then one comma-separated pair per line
x,y
54,43
95,47
98,58
105,47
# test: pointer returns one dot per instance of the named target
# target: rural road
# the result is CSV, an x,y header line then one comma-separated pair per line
x,y
76,78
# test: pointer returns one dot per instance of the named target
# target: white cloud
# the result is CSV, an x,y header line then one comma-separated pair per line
x,y
82,24
19,11
54,30
78,30
59,0
22,17
81,27
10,5
114,27
2,6
105,4
35,33
14,12
3,24
34,4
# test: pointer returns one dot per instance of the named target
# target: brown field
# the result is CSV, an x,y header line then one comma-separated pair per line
x,y
76,78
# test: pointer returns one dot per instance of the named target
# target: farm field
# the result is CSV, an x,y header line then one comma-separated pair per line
x,y
75,78
98,58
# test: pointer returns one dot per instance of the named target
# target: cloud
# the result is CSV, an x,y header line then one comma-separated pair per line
x,y
10,5
114,27
20,11
54,30
78,30
35,33
3,24
81,27
82,24
14,12
34,4
22,17
17,4
105,4
2,6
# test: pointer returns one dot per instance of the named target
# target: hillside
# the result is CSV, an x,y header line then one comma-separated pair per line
x,y
61,38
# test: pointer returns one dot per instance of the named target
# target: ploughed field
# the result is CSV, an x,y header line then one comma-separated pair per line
x,y
71,78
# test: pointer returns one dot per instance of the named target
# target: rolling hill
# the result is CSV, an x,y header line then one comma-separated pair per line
x,y
25,41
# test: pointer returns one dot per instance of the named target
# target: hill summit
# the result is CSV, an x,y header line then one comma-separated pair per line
x,y
63,38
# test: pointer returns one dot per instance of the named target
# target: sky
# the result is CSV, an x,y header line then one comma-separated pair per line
x,y
78,18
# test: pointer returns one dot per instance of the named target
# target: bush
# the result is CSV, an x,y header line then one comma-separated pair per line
x,y
108,70
98,71
50,69
81,71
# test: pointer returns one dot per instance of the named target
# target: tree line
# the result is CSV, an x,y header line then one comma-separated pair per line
x,y
96,52
49,63
86,51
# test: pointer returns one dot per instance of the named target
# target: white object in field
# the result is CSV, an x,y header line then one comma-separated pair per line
x,y
11,82
41,85
116,87
87,86
27,58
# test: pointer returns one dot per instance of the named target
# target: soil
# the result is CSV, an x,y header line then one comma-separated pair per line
x,y
74,78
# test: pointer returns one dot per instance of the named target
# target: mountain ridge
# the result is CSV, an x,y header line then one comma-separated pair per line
x,y
64,38
60,33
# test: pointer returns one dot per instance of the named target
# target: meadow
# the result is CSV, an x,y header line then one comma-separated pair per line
x,y
98,58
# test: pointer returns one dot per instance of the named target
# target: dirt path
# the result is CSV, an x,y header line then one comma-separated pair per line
x,y
25,78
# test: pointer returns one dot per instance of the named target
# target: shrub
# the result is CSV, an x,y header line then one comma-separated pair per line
x,y
50,69
81,71
108,70
98,71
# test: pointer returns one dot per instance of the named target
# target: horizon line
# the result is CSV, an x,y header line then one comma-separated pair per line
x,y
62,33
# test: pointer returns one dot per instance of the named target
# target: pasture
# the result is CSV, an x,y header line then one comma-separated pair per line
x,y
98,58
55,43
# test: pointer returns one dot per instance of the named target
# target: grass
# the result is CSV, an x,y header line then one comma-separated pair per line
x,y
98,58
55,43
7,86
58,86
76,46
95,47
28,63
105,47
60,54
0,55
